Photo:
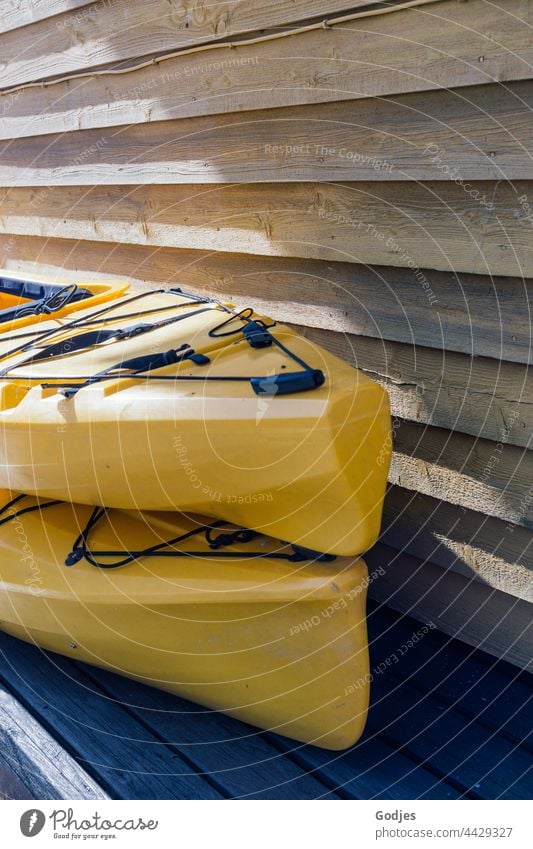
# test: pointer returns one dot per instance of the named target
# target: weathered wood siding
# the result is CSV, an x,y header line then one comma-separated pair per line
x,y
369,180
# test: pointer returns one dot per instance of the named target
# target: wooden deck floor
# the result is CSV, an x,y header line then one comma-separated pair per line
x,y
445,722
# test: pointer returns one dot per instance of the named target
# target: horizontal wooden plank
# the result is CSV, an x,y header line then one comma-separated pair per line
x,y
489,619
474,133
37,760
15,14
479,396
116,30
410,225
477,546
488,477
446,45
472,314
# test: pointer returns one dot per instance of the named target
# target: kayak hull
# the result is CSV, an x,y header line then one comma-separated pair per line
x,y
291,690
280,645
298,484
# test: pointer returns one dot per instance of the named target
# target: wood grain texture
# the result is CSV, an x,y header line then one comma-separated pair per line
x,y
473,314
11,787
446,45
488,619
418,225
483,690
37,760
244,762
467,753
20,13
125,758
116,30
481,397
493,478
473,133
496,553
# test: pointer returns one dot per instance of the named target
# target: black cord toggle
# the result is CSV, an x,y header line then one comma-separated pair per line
x,y
292,381
74,557
257,334
242,535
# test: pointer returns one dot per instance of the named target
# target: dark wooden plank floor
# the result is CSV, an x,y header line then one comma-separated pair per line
x,y
11,787
445,722
29,753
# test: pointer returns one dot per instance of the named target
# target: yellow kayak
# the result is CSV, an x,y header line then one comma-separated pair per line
x,y
33,300
173,401
217,614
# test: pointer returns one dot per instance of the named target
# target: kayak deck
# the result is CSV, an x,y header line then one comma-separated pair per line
x,y
138,743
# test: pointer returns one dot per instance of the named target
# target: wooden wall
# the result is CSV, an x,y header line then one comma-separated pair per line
x,y
363,173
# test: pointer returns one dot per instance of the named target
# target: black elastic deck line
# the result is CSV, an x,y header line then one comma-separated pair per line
x,y
214,334
93,338
260,332
18,513
97,378
81,550
254,331
99,311
91,322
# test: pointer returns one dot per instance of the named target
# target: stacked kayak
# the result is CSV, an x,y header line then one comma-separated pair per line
x,y
32,302
168,401
235,621
195,484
